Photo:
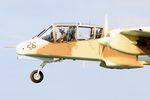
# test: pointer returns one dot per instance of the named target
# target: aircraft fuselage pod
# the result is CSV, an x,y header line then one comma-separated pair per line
x,y
79,42
64,41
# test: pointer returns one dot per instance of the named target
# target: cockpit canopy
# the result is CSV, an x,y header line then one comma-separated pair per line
x,y
70,32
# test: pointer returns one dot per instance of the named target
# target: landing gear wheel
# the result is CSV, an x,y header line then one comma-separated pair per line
x,y
35,77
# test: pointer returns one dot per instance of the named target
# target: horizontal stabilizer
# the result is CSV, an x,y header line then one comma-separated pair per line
x,y
143,58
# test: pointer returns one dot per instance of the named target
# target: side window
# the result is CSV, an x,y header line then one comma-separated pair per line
x,y
85,33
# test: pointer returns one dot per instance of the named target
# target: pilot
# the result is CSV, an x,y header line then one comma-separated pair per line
x,y
62,31
63,34
71,33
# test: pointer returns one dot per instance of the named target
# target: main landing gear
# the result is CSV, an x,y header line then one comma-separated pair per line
x,y
37,76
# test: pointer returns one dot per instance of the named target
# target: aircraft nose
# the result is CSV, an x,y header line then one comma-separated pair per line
x,y
20,48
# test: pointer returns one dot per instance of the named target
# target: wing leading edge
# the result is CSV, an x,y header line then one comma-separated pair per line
x,y
138,32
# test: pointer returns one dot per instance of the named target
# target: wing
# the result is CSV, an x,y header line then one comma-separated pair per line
x,y
140,38
137,33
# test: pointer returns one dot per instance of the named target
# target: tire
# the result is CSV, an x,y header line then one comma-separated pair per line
x,y
36,79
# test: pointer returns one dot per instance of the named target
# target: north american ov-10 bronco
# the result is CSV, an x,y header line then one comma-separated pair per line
x,y
59,42
119,48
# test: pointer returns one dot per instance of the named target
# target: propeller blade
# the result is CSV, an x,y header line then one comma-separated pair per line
x,y
105,40
106,26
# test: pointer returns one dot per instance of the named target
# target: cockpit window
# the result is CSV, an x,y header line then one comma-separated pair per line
x,y
85,33
46,34
67,33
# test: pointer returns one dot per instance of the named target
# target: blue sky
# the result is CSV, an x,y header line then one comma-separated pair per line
x,y
68,80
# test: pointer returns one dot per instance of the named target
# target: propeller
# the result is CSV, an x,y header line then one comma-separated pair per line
x,y
106,26
104,41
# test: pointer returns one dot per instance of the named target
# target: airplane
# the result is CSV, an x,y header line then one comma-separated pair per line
x,y
113,48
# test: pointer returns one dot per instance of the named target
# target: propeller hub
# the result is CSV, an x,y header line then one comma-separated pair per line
x,y
104,41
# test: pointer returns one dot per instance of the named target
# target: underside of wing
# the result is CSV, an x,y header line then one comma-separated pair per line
x,y
118,60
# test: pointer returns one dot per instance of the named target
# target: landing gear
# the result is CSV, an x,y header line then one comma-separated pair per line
x,y
37,76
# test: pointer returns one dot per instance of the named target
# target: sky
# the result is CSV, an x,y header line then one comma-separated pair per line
x,y
68,80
